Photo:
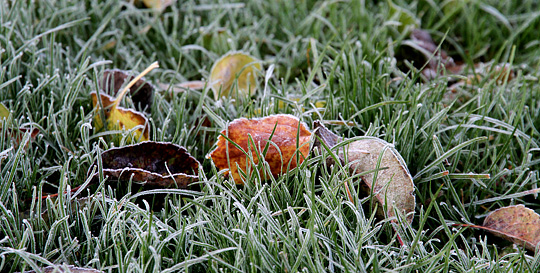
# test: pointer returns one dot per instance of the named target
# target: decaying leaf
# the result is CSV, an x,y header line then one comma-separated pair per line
x,y
393,186
62,269
517,224
117,117
234,66
141,91
279,132
156,164
440,63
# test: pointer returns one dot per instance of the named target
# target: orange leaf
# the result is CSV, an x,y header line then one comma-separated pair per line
x,y
227,156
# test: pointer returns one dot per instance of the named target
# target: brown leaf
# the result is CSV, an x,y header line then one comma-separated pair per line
x,y
517,224
154,163
422,42
61,269
393,186
227,156
141,92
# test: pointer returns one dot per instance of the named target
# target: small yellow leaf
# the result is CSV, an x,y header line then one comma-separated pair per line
x,y
4,112
159,5
120,118
234,66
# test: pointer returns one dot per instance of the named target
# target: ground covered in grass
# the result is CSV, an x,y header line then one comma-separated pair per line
x,y
345,63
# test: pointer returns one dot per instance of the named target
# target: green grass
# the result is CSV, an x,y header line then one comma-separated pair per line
x,y
52,54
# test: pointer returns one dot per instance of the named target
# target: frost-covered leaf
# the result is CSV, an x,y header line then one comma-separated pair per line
x,y
234,66
277,132
392,185
517,224
156,164
117,117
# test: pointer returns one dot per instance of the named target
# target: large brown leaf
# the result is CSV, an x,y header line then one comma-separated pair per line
x,y
156,164
280,159
393,186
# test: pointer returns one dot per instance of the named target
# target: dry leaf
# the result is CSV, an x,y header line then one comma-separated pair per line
x,y
287,127
422,42
234,66
392,186
156,164
517,224
141,92
120,118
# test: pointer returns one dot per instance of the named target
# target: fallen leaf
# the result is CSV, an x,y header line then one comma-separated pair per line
x,y
141,91
117,117
125,118
392,186
156,164
234,66
440,63
61,269
282,145
4,113
157,5
517,224
182,87
422,42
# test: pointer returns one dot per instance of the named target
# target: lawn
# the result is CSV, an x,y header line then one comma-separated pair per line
x,y
463,112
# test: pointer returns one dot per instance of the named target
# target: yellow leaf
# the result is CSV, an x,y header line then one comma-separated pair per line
x,y
234,66
4,112
159,5
121,118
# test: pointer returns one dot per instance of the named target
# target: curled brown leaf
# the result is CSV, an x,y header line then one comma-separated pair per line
x,y
157,164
